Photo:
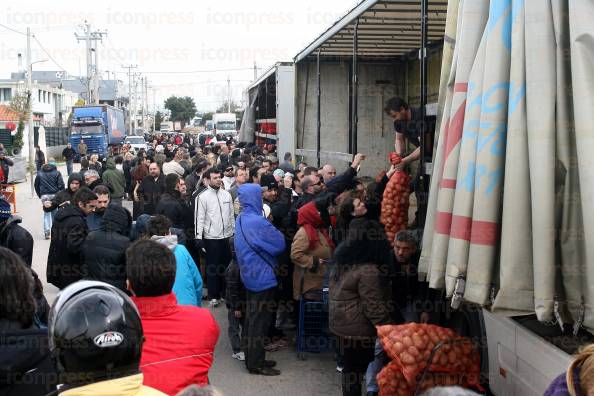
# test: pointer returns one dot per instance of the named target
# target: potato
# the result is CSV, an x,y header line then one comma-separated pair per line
x,y
407,341
418,340
407,358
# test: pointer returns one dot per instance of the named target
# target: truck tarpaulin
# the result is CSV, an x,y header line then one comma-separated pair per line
x,y
510,209
248,121
116,125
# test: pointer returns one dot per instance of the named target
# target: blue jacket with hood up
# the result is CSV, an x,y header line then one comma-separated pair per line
x,y
257,241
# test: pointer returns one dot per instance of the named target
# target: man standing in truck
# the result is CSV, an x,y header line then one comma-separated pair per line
x,y
408,127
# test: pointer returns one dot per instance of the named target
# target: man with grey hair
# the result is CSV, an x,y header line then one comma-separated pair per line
x,y
92,179
195,390
308,185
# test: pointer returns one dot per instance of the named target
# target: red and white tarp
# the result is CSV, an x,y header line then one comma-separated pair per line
x,y
510,208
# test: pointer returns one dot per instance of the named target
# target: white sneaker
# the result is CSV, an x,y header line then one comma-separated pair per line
x,y
213,303
239,356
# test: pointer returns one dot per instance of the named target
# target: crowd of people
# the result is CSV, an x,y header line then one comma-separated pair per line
x,y
258,234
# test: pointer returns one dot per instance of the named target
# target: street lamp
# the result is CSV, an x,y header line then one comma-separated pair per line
x,y
31,133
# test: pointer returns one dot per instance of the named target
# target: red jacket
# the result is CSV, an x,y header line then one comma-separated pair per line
x,y
179,343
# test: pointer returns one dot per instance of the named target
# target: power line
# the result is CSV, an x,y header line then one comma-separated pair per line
x,y
49,55
122,60
199,71
13,30
198,83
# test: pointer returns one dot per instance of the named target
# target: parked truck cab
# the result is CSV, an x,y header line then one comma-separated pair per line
x,y
99,126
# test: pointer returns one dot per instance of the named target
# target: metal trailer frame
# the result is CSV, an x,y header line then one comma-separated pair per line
x,y
351,36
284,79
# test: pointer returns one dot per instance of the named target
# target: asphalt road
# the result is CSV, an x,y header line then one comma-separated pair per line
x,y
316,375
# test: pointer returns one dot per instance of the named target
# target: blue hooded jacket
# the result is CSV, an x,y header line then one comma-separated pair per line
x,y
257,242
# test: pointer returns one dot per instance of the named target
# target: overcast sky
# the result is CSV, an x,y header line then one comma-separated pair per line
x,y
163,37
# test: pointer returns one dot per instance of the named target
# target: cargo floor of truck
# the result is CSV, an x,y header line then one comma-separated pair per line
x,y
565,341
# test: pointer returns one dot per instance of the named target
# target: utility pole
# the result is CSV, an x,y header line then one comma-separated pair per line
x,y
31,133
142,84
255,71
136,75
155,109
129,67
229,93
91,39
96,77
146,106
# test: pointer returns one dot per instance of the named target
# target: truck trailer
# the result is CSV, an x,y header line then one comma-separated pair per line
x,y
166,126
506,88
269,118
101,127
225,123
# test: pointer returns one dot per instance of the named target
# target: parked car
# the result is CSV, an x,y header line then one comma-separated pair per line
x,y
136,143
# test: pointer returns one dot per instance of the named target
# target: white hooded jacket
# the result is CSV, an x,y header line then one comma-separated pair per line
x,y
214,214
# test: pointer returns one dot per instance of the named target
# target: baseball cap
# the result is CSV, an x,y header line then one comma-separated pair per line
x,y
267,182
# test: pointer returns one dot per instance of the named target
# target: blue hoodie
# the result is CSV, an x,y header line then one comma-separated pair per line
x,y
188,282
256,256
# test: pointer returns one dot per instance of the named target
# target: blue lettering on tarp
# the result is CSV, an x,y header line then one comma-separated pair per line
x,y
498,105
479,177
514,100
470,132
467,182
480,172
482,99
496,135
517,7
498,10
494,180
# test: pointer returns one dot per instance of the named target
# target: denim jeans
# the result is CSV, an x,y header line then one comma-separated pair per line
x,y
48,219
69,167
236,330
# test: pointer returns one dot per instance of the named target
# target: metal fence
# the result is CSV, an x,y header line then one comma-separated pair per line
x,y
54,136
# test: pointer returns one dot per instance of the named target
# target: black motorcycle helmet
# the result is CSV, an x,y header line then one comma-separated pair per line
x,y
95,333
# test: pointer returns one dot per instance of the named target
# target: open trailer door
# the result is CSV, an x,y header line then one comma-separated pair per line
x,y
510,214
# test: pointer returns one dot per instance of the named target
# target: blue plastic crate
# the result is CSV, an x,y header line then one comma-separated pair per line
x,y
312,333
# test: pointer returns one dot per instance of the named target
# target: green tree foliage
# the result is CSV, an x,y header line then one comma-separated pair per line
x,y
223,108
206,117
21,104
182,109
